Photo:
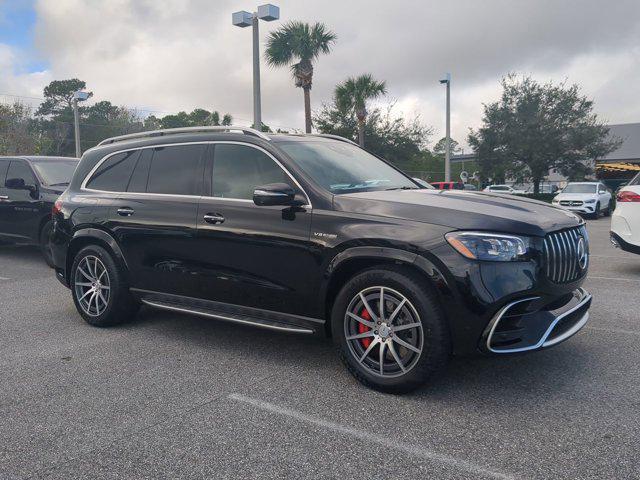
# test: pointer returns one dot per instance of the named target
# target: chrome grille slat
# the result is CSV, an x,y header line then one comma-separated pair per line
x,y
560,250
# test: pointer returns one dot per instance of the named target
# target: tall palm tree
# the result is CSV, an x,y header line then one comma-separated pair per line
x,y
304,43
352,95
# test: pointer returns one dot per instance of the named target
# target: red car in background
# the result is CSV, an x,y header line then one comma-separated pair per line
x,y
448,185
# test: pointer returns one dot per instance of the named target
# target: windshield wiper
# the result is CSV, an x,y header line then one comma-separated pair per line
x,y
402,188
58,184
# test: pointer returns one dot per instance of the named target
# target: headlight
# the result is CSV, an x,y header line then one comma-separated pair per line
x,y
495,247
592,200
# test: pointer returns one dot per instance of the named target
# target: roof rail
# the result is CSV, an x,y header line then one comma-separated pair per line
x,y
175,131
335,137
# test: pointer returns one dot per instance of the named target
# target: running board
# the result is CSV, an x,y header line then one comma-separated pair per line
x,y
230,317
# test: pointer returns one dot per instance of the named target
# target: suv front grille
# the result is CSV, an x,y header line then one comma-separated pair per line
x,y
566,255
571,203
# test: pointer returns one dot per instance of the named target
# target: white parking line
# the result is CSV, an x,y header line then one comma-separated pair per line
x,y
613,330
614,278
412,450
5,278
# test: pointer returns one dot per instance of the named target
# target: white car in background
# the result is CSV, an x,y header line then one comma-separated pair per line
x,y
587,198
625,222
499,189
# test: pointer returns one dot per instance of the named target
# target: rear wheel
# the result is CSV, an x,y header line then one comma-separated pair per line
x,y
389,329
99,288
45,243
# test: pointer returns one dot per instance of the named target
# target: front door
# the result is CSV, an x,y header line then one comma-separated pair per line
x,y
21,210
253,256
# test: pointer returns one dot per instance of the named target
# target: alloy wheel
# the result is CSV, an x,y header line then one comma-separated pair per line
x,y
92,285
383,331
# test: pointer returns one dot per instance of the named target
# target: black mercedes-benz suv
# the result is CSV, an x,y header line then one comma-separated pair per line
x,y
29,186
310,233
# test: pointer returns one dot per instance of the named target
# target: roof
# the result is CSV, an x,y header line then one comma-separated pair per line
x,y
41,158
630,148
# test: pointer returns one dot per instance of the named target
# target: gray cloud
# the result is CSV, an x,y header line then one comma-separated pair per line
x,y
177,54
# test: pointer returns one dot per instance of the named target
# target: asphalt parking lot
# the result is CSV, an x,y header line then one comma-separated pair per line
x,y
176,396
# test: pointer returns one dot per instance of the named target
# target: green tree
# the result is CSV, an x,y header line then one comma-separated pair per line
x,y
401,142
58,96
352,96
441,147
18,130
535,127
304,43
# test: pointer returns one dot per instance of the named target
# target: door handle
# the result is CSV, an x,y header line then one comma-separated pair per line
x,y
213,218
125,211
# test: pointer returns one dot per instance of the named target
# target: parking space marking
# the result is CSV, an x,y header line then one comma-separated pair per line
x,y
5,278
613,330
412,450
613,278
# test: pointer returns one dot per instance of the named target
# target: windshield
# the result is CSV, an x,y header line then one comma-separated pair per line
x,y
579,188
344,168
55,172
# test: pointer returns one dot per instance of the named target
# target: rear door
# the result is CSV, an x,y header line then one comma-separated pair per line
x,y
256,256
4,197
154,218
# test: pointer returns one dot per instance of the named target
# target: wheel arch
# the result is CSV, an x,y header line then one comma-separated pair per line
x,y
92,236
354,260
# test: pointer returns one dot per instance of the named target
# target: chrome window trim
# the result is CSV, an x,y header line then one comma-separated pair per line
x,y
543,339
83,185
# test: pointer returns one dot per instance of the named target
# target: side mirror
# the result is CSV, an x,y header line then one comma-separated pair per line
x,y
274,194
15,184
19,184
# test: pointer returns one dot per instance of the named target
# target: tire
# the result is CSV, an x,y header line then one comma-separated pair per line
x,y
607,211
116,305
430,336
45,244
596,214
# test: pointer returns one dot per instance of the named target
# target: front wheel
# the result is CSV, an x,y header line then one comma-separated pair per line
x,y
607,211
389,329
99,288
45,243
596,214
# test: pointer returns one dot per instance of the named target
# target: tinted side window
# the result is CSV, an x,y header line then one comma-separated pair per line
x,y
4,165
176,170
140,176
114,173
634,181
238,170
19,169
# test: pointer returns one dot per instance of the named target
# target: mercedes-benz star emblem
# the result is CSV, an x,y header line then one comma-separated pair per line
x,y
583,256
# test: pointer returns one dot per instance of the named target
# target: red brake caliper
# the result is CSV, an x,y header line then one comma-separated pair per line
x,y
363,328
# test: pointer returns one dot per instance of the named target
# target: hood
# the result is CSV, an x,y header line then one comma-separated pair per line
x,y
575,196
461,210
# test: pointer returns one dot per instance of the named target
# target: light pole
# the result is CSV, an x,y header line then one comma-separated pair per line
x,y
447,154
243,19
78,96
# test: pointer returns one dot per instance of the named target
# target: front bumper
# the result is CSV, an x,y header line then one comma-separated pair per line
x,y
530,324
584,208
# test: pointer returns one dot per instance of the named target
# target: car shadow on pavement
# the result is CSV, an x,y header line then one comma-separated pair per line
x,y
550,373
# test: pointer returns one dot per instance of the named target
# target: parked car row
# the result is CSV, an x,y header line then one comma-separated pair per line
x,y
625,222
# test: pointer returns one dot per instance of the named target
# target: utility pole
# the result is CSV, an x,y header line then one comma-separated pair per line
x,y
78,96
447,153
243,19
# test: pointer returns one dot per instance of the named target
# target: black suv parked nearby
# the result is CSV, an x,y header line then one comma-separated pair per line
x,y
29,186
306,233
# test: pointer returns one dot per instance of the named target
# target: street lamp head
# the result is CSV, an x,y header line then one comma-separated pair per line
x,y
242,19
446,79
268,12
80,96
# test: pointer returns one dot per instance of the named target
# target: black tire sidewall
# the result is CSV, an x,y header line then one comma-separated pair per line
x,y
120,305
436,350
45,243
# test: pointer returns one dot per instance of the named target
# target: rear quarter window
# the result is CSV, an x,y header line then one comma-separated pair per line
x,y
114,173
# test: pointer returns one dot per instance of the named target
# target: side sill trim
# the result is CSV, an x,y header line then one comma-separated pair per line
x,y
227,318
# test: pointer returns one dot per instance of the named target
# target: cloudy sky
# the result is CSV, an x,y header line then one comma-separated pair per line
x,y
170,55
